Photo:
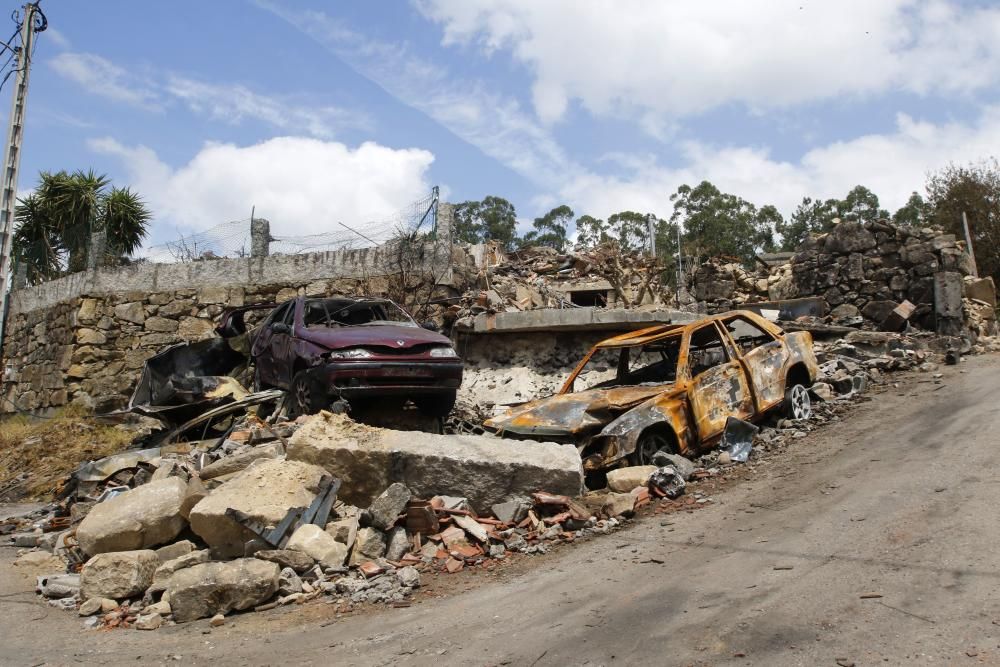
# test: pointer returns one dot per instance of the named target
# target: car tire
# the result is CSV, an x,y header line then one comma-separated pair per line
x,y
307,396
797,403
652,441
436,405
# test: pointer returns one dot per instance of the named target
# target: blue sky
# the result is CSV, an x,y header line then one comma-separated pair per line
x,y
322,111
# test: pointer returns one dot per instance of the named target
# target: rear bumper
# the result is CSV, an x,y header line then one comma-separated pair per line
x,y
352,379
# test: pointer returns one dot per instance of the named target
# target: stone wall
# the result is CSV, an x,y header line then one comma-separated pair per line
x,y
859,270
67,344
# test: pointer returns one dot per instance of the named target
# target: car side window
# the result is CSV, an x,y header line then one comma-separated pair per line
x,y
747,335
706,350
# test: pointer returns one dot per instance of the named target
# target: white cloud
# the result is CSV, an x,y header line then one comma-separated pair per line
x,y
233,102
633,58
473,110
100,76
57,37
302,185
226,102
892,165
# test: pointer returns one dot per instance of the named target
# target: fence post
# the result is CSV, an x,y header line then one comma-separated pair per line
x,y
20,276
260,237
445,221
97,249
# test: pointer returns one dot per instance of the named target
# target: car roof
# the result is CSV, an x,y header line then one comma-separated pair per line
x,y
649,334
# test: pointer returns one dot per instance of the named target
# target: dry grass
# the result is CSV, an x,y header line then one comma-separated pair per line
x,y
49,449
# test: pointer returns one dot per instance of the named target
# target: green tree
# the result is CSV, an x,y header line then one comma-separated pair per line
x,y
717,223
551,229
861,204
975,190
53,225
492,219
810,217
914,213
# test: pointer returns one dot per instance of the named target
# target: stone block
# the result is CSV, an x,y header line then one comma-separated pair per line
x,y
624,480
369,545
238,462
146,516
175,550
265,491
318,545
160,324
287,558
166,570
483,469
131,312
982,289
204,590
344,530
948,291
877,310
90,337
195,328
118,574
389,505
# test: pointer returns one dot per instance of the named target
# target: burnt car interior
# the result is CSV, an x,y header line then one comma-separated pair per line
x,y
707,350
746,335
347,312
639,365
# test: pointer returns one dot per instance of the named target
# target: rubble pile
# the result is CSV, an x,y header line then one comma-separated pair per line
x,y
202,529
542,277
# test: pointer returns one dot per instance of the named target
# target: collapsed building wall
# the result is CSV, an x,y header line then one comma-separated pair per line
x,y
864,270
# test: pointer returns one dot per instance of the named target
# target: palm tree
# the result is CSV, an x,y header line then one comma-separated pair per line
x,y
55,223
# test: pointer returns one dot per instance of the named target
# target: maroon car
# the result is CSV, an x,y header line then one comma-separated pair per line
x,y
361,350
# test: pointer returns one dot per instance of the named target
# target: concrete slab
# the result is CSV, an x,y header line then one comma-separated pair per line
x,y
577,319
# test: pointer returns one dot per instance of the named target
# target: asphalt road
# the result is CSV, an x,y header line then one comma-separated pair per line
x,y
898,500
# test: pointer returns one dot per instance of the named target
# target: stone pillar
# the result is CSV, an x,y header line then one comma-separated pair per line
x,y
20,276
260,237
948,288
97,249
445,221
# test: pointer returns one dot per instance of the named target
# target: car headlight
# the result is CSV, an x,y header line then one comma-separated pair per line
x,y
353,353
444,353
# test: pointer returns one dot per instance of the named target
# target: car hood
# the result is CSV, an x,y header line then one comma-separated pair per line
x,y
372,335
575,413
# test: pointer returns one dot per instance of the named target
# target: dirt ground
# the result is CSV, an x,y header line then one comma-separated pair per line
x,y
898,500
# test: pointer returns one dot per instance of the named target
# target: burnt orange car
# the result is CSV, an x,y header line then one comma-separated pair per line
x,y
671,388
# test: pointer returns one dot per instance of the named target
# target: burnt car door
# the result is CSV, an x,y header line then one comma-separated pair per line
x,y
763,357
718,387
273,347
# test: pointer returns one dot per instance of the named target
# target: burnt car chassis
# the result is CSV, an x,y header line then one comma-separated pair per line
x,y
670,388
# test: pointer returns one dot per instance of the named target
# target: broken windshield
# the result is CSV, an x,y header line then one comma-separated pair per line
x,y
640,365
346,313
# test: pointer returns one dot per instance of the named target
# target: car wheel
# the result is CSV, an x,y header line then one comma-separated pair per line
x,y
307,397
797,402
650,442
436,405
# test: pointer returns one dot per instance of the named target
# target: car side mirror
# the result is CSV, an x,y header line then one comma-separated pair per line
x,y
281,327
430,326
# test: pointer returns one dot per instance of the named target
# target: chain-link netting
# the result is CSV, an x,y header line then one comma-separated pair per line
x,y
232,239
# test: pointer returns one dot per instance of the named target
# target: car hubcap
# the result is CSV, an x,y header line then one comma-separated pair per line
x,y
302,396
801,405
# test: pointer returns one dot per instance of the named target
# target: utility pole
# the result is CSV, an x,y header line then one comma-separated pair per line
x,y
968,245
12,155
651,232
680,267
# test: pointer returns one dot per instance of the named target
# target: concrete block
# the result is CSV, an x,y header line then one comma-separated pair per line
x,y
483,469
119,574
217,588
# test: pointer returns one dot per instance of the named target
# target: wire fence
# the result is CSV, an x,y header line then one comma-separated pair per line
x,y
234,239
